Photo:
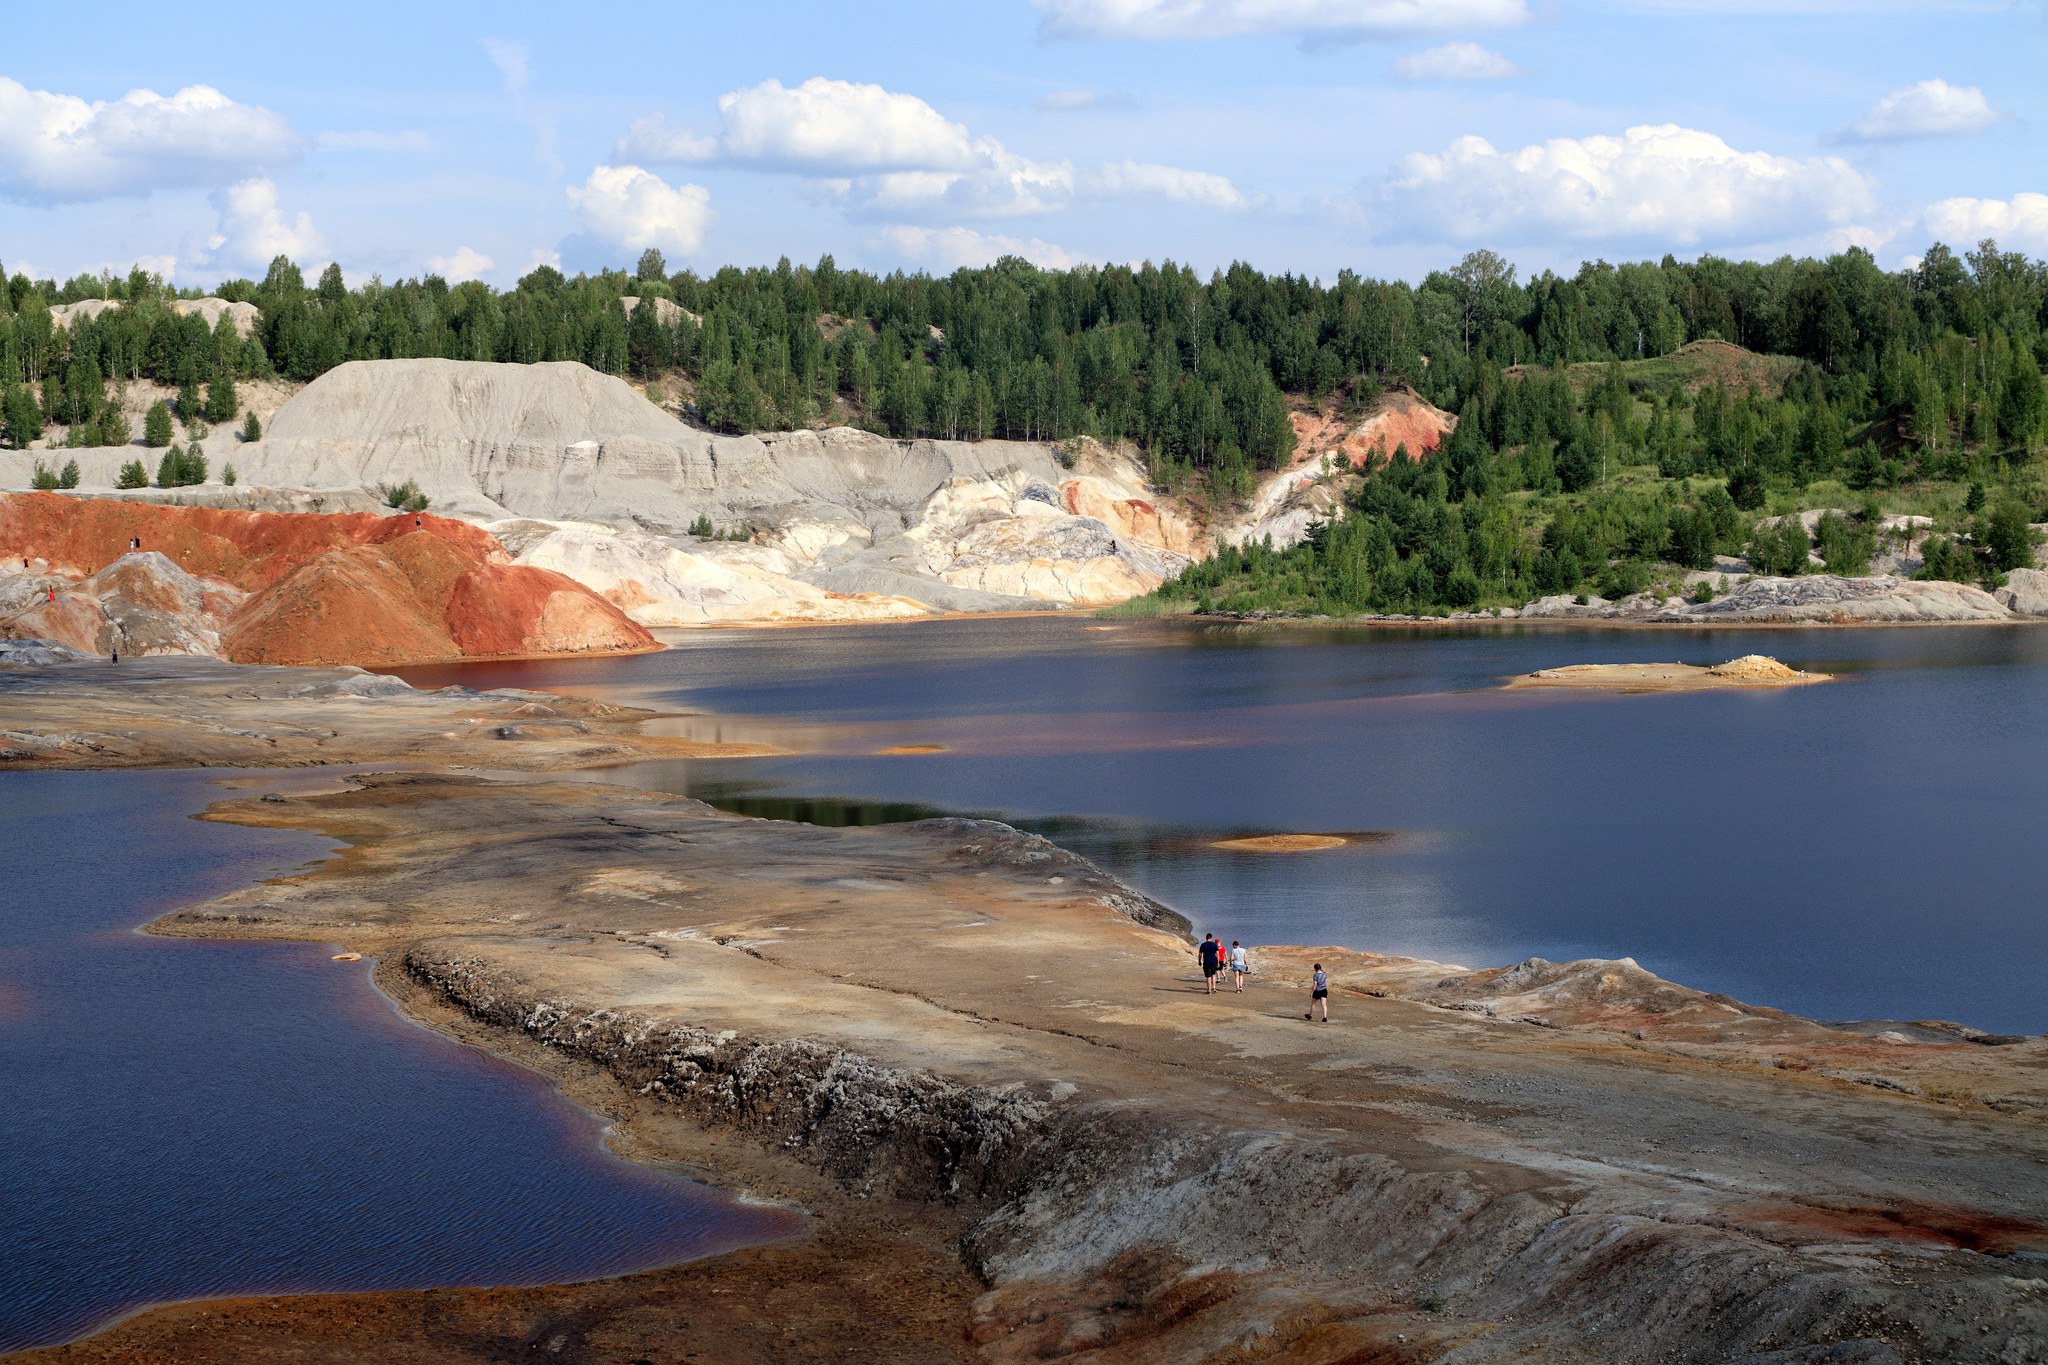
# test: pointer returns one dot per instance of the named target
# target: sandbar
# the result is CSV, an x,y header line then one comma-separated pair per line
x,y
1749,671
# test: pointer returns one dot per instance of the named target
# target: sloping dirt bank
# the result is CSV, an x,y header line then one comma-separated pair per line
x,y
954,1040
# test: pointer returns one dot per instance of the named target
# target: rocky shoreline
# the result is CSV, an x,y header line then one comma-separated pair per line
x,y
1025,1132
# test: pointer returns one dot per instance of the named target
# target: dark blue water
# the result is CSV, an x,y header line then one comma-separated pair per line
x,y
1871,848
185,1119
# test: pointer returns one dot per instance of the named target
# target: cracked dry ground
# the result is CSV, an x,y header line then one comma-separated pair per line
x,y
1022,1131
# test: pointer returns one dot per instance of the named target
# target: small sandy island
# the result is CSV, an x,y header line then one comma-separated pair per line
x,y
1282,843
913,749
1751,670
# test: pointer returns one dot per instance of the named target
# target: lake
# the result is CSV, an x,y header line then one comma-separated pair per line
x,y
189,1119
1868,848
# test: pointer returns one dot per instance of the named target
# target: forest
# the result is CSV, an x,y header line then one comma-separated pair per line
x,y
1586,451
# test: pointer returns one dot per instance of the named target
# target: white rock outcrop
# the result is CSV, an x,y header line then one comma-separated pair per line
x,y
2025,592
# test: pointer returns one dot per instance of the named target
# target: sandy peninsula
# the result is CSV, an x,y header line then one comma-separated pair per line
x,y
1022,1130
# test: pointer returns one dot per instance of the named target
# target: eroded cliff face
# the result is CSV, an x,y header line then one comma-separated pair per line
x,y
277,588
1572,1161
862,527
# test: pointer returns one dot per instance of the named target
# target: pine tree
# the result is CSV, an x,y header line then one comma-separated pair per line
x,y
190,409
156,425
227,474
252,430
113,426
24,418
69,478
132,475
192,469
222,402
169,468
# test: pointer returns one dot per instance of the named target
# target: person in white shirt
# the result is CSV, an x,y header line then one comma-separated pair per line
x,y
1238,965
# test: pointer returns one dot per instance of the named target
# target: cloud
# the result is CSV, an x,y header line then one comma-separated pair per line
x,y
60,149
821,126
1930,109
947,249
1455,62
411,141
1344,19
253,229
631,208
1061,101
2021,220
1654,186
882,153
465,264
510,59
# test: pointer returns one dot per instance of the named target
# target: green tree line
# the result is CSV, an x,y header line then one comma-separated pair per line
x,y
1198,372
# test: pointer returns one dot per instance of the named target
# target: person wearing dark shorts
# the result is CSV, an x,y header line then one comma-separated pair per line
x,y
1212,961
1319,994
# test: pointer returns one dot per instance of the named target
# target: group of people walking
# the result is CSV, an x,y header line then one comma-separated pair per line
x,y
1216,960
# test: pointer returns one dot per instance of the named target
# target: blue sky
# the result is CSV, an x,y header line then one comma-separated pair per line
x,y
1387,136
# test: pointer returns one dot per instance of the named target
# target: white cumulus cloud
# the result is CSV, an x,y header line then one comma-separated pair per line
x,y
62,149
253,229
465,264
1653,186
1929,109
1344,19
821,126
947,249
2021,221
880,152
1455,62
632,208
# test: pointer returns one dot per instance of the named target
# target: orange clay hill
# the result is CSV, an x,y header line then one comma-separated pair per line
x,y
1402,419
281,588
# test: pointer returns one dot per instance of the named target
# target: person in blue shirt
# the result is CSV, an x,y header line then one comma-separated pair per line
x,y
1319,994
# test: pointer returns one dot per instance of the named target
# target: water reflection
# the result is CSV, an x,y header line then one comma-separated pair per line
x,y
1866,848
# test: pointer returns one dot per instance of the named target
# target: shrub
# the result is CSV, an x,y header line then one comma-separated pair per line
x,y
44,478
1778,549
192,469
69,478
406,497
1947,562
1703,591
252,430
1746,488
701,527
132,475
1846,545
2008,538
227,474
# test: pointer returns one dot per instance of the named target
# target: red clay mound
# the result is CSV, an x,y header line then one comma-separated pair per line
x,y
419,598
345,606
355,588
249,549
517,609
